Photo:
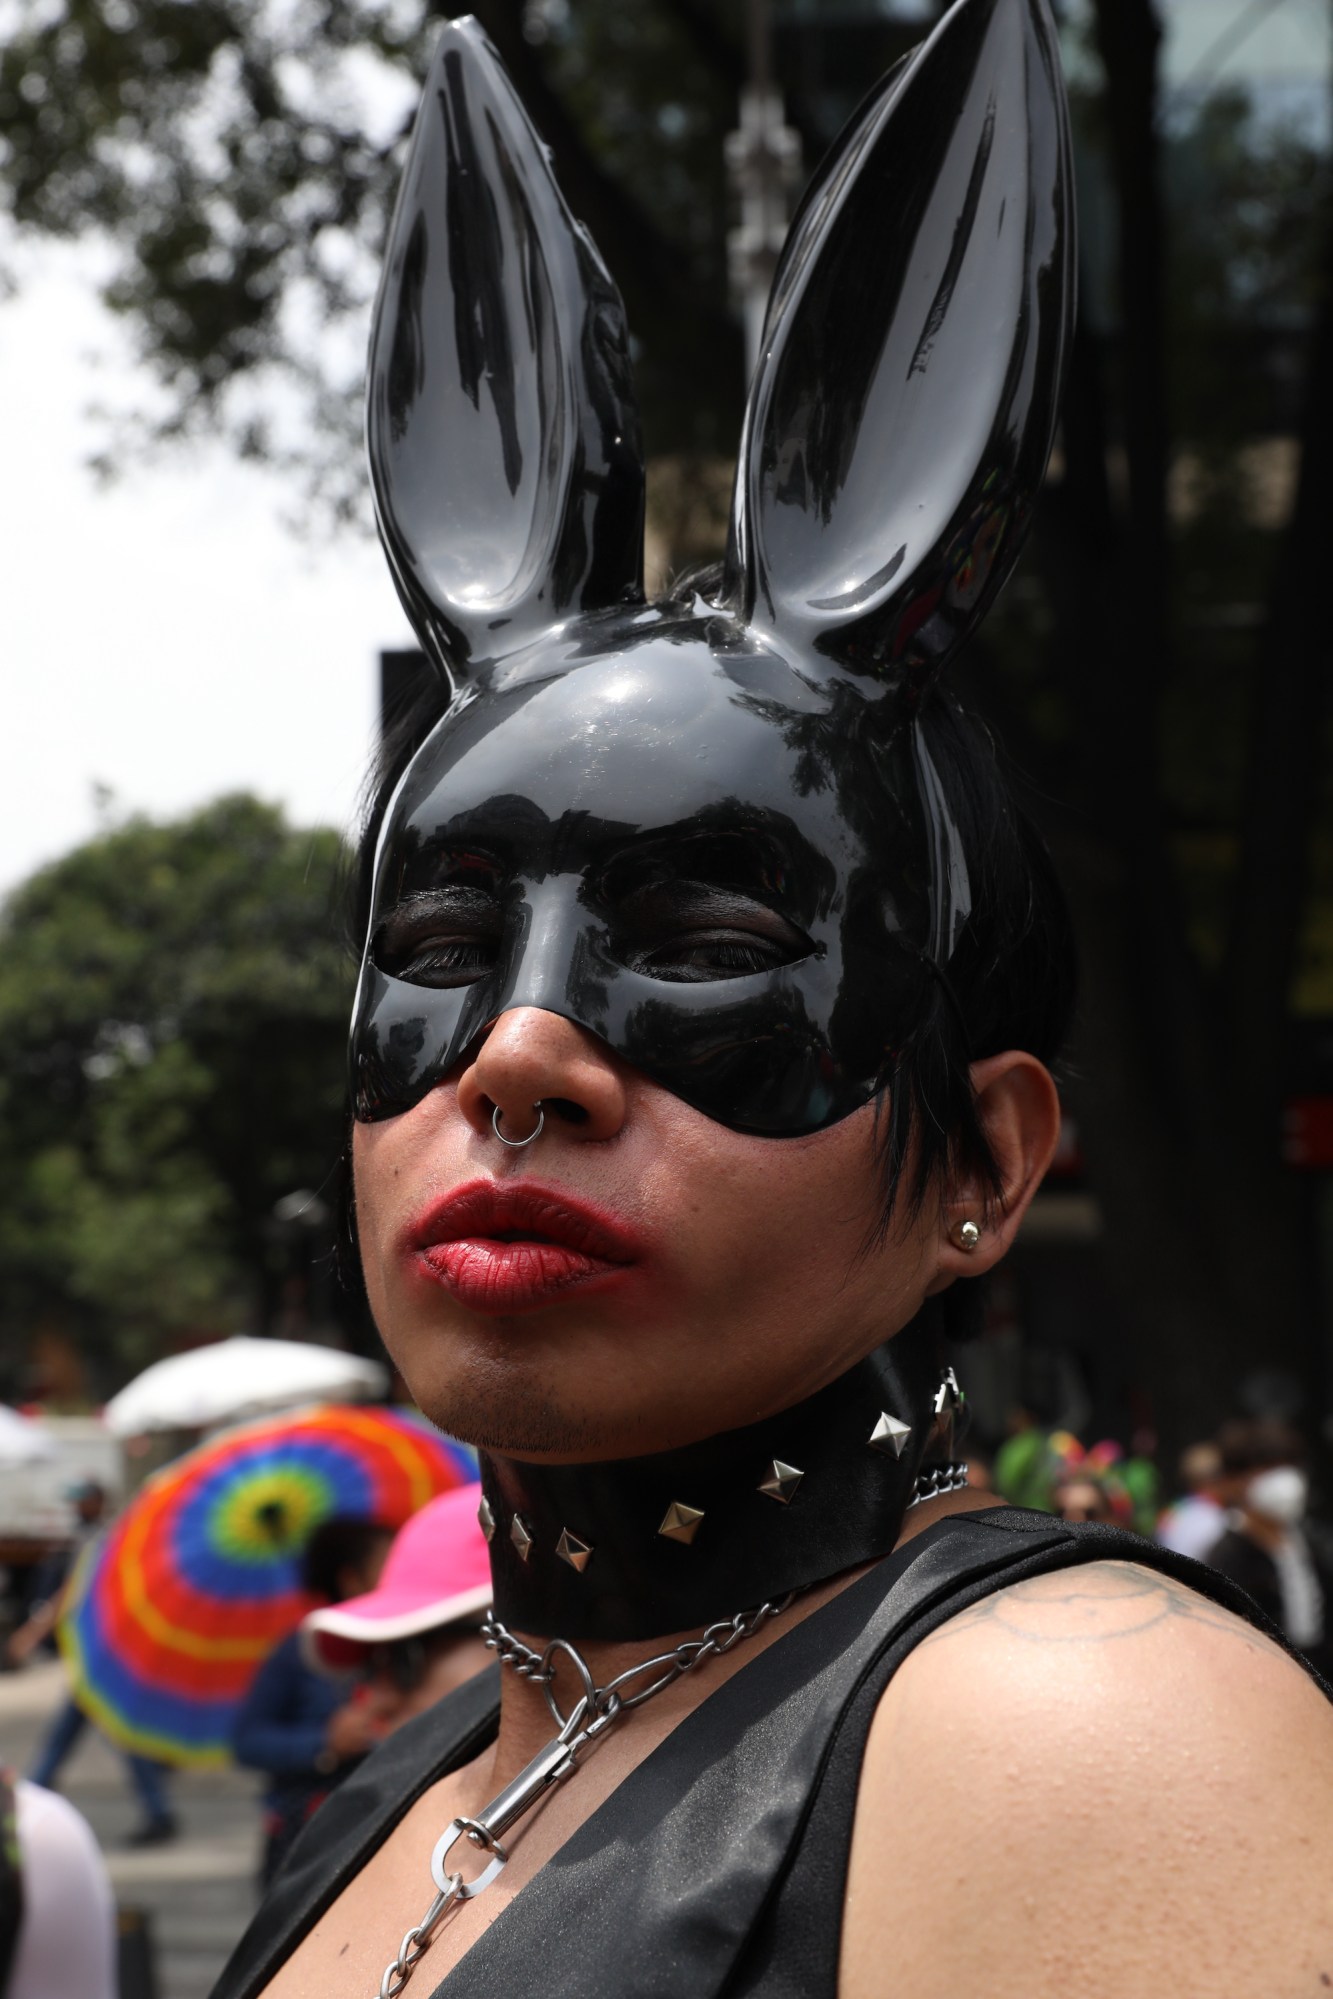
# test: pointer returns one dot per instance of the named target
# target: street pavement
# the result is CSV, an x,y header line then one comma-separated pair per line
x,y
197,1893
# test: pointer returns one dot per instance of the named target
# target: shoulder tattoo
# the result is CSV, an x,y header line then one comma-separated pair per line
x,y
1098,1603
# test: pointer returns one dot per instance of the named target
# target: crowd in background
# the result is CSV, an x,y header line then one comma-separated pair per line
x,y
393,1629
1243,1506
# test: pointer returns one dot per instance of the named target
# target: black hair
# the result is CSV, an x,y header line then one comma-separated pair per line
x,y
343,1541
1010,982
1254,1443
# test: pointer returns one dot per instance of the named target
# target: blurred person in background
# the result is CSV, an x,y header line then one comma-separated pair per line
x,y
980,1476
1089,1484
413,1638
1055,1473
1263,1546
37,1631
1195,1522
57,1918
147,1776
295,1724
1022,1469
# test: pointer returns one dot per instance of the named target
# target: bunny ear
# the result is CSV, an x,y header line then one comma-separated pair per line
x,y
501,425
903,409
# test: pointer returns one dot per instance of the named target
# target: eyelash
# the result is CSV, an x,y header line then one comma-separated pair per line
x,y
443,962
729,958
459,961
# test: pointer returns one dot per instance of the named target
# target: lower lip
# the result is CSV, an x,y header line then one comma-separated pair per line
x,y
491,1276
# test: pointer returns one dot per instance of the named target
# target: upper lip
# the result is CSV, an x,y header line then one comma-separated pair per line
x,y
526,1211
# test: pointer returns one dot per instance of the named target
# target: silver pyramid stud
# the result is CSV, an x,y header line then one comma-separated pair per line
x,y
570,1549
948,1395
521,1536
680,1522
780,1482
890,1435
486,1519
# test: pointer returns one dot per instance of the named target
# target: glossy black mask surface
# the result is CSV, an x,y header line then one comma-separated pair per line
x,y
609,839
709,833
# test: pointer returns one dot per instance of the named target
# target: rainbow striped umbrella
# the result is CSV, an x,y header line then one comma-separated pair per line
x,y
172,1612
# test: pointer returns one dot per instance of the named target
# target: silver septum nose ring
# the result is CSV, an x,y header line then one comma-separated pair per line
x,y
515,1143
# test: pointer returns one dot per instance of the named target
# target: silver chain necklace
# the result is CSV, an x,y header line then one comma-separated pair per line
x,y
595,1710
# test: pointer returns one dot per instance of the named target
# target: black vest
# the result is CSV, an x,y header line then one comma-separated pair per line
x,y
717,1866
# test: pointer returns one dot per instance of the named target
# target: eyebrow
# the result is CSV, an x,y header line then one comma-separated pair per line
x,y
438,865
773,862
714,860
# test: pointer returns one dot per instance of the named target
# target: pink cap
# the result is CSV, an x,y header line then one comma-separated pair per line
x,y
438,1571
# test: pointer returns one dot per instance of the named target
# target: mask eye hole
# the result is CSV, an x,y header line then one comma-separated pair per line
x,y
701,909
443,937
690,932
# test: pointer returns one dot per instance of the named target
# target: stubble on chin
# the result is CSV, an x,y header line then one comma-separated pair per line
x,y
499,1412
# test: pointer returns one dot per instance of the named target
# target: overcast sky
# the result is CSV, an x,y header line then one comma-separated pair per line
x,y
166,637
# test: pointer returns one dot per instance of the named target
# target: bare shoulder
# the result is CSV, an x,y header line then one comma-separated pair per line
x,y
1096,1777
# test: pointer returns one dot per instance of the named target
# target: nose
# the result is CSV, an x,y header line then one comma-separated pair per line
x,y
531,1057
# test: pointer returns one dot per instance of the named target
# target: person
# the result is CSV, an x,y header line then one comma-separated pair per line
x,y
1088,1484
1197,1519
294,1724
415,1636
57,1917
1262,1546
88,1498
148,1777
700,1060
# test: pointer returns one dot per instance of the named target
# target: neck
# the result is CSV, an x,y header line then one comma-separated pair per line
x,y
1269,1534
633,1549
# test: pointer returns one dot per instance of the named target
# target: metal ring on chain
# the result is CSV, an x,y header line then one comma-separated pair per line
x,y
587,1701
515,1143
596,1710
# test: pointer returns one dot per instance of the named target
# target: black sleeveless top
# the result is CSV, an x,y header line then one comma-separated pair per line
x,y
718,1866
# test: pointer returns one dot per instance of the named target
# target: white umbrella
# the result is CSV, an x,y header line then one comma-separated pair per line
x,y
22,1442
238,1377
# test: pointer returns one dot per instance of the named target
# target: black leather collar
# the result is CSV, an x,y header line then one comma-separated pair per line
x,y
640,1547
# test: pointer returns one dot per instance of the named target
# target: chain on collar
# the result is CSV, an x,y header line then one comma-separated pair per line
x,y
595,1710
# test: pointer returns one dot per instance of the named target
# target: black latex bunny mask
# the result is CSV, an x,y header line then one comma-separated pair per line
x,y
707,831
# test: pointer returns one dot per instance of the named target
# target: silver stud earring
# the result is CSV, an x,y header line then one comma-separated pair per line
x,y
780,1482
966,1235
890,1435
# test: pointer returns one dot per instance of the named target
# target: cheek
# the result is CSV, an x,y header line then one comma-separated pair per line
x,y
386,1176
780,1234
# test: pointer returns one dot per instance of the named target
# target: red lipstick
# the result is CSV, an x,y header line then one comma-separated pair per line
x,y
513,1246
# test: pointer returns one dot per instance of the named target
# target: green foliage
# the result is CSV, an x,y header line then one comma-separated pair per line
x,y
173,1005
238,159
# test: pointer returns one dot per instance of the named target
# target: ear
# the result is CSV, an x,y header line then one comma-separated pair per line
x,y
902,412
502,432
1019,1107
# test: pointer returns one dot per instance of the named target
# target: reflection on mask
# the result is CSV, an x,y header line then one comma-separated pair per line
x,y
708,831
1279,1494
686,849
